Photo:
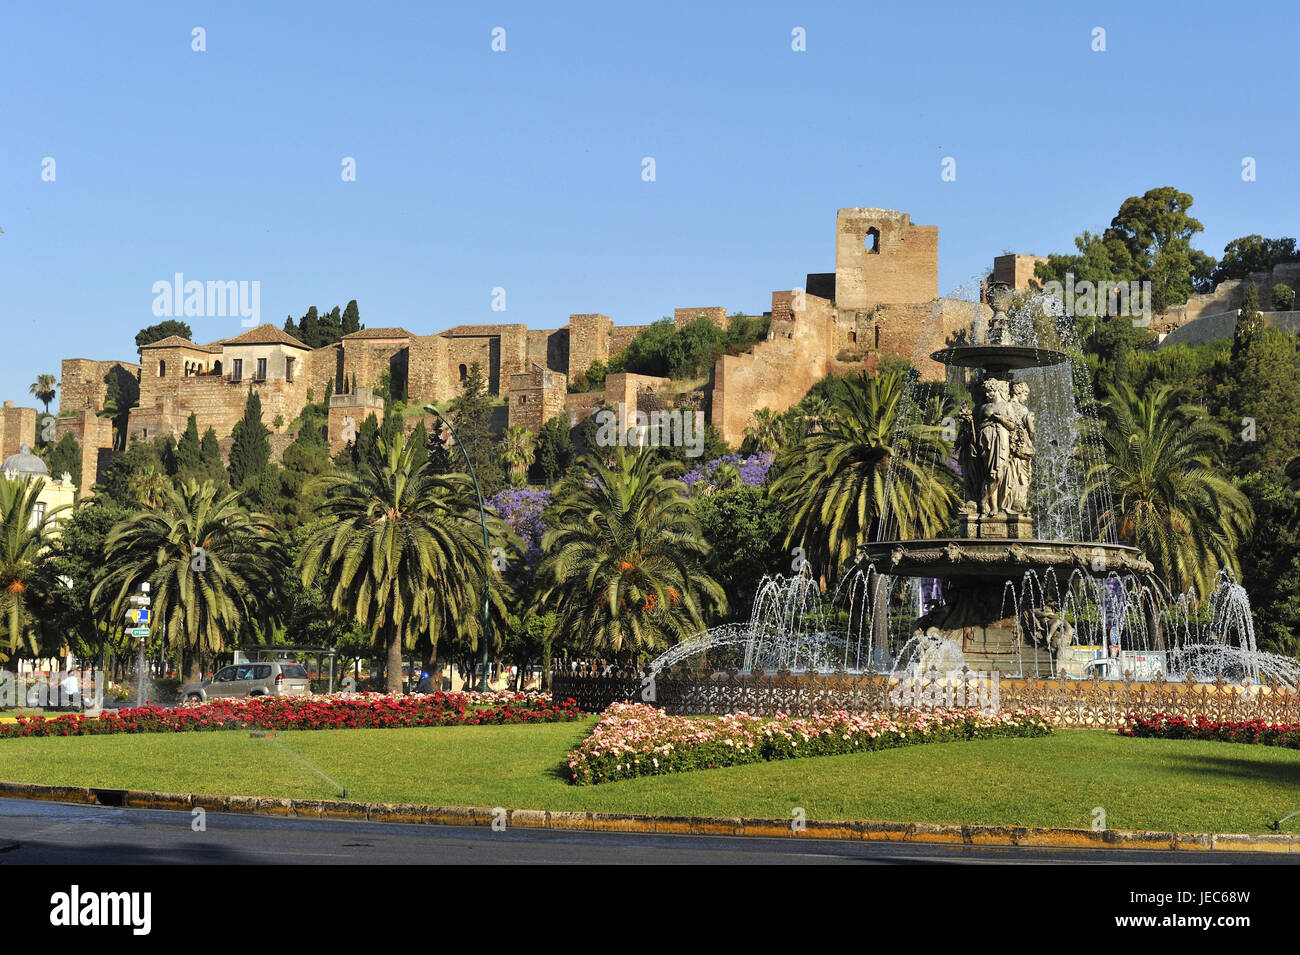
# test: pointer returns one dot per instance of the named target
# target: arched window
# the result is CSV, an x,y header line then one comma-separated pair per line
x,y
872,241
464,373
162,368
216,367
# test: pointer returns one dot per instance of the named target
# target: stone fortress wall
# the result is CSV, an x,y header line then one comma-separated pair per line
x,y
881,298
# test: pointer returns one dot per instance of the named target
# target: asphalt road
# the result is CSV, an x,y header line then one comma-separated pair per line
x,y
39,833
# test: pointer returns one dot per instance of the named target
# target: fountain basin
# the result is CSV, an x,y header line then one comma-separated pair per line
x,y
1010,558
997,359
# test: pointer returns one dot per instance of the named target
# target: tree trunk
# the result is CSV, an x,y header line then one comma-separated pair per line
x,y
393,667
430,665
193,664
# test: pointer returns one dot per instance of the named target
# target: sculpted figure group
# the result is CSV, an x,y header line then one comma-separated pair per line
x,y
995,449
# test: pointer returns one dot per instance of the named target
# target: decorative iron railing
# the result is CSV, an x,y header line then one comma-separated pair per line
x,y
1077,703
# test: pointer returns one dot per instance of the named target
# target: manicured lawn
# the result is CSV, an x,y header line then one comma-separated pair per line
x,y
1141,783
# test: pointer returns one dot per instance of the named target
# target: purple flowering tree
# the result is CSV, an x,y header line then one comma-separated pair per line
x,y
730,468
521,509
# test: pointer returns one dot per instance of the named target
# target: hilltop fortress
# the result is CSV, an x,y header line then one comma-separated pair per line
x,y
883,291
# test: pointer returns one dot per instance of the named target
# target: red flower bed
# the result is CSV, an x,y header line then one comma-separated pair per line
x,y
1165,726
339,711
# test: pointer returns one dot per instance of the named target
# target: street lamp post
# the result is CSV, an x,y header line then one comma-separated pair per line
x,y
134,617
487,553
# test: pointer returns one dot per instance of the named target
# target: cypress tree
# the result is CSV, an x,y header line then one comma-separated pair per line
x,y
309,329
65,458
419,441
351,318
330,327
167,454
472,416
1249,322
188,455
251,452
210,449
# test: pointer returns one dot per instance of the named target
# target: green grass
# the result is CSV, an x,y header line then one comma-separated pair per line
x,y
1141,783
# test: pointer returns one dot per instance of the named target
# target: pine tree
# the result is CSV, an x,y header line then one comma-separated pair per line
x,y
251,451
187,449
351,318
290,326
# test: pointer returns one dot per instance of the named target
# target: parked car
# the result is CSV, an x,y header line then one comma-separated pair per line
x,y
268,678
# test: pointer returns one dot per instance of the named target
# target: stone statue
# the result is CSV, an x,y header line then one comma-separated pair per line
x,y
1022,449
968,459
995,451
997,426
999,330
1052,629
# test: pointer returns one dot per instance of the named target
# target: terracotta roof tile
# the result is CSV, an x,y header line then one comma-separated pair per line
x,y
173,341
266,334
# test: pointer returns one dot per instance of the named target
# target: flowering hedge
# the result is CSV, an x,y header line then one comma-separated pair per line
x,y
334,711
632,739
1165,726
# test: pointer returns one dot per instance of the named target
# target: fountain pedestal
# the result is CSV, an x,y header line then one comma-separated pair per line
x,y
997,527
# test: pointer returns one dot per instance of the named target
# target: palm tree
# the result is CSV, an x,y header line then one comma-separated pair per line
x,y
43,388
767,432
25,533
866,462
519,452
397,550
1169,495
624,565
149,487
210,563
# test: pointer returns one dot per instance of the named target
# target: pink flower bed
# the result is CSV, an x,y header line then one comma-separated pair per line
x,y
333,711
632,739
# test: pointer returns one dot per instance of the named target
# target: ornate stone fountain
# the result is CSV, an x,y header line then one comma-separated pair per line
x,y
1032,579
996,545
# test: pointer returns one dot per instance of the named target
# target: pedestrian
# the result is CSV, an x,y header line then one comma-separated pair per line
x,y
71,690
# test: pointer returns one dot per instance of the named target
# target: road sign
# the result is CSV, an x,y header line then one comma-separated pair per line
x,y
139,631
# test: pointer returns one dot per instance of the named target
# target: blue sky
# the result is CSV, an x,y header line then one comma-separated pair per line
x,y
522,169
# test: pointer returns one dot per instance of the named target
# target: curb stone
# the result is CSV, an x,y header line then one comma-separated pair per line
x,y
844,830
